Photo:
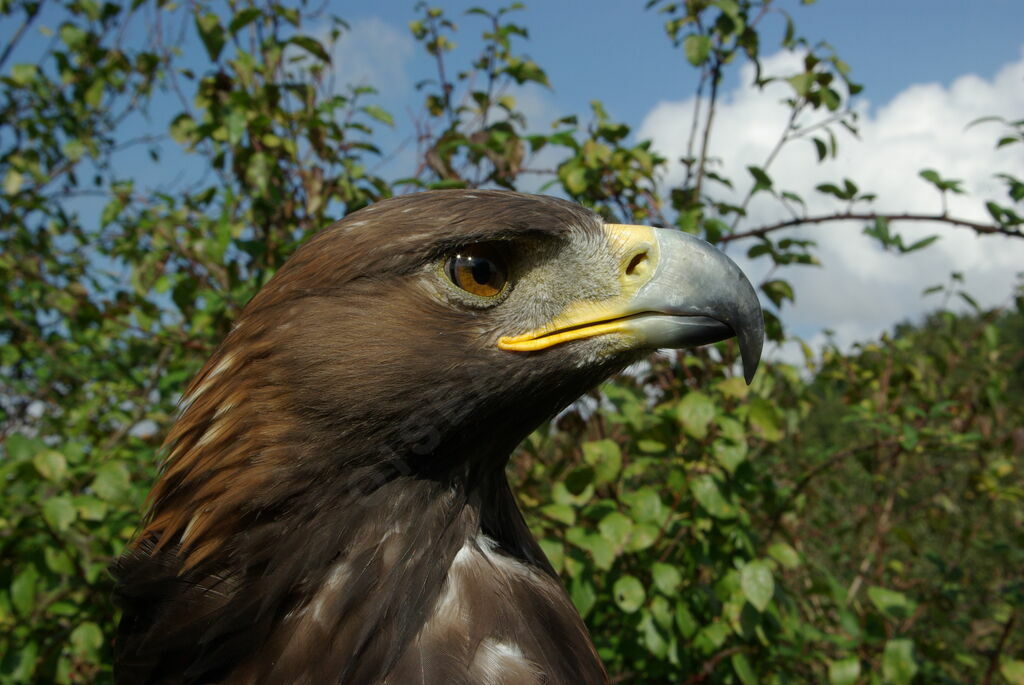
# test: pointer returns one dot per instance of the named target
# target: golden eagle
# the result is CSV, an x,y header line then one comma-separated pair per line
x,y
333,507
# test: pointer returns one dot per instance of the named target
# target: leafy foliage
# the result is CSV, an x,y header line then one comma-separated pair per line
x,y
857,520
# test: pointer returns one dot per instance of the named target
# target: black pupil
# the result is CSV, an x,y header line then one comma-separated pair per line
x,y
482,270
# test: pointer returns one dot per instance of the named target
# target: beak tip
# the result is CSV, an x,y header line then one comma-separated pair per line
x,y
751,342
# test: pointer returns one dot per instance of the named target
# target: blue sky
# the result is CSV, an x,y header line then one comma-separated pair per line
x,y
929,67
617,52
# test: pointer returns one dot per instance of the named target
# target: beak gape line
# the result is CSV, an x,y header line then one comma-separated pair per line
x,y
676,291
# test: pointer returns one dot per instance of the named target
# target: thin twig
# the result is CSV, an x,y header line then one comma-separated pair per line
x,y
698,100
827,121
29,18
716,75
993,661
810,475
709,666
154,376
881,528
783,139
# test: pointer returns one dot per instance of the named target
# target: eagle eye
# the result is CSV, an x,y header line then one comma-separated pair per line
x,y
478,269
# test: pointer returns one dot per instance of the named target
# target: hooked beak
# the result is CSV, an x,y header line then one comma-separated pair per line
x,y
676,291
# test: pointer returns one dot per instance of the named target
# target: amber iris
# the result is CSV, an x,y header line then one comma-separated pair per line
x,y
478,269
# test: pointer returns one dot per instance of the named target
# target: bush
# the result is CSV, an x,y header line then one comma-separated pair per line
x,y
855,520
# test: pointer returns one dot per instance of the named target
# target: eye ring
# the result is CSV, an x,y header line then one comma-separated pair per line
x,y
479,269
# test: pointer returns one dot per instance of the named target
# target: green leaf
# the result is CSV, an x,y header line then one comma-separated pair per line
x,y
59,512
820,148
112,480
666,577
645,505
650,446
86,639
696,411
744,671
629,593
762,181
606,458
784,553
644,535
380,114
242,19
560,512
19,665
601,550
73,149
211,33
524,70
23,590
12,181
574,178
734,387
235,123
705,491
579,478
554,550
729,454
183,128
22,74
696,47
890,602
73,36
652,637
94,93
21,448
942,184
801,83
312,46
688,625
757,583
615,527
898,664
844,671
920,244
58,561
778,291
997,212
1013,671
712,636
583,595
765,420
51,465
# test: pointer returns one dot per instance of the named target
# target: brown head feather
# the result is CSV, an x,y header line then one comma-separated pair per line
x,y
338,467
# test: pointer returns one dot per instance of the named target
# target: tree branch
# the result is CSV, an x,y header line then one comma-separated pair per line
x,y
716,75
709,666
815,471
30,17
977,227
783,139
881,529
993,662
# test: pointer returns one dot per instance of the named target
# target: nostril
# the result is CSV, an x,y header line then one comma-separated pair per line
x,y
637,264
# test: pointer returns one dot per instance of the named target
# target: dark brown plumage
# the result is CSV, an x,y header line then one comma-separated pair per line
x,y
333,506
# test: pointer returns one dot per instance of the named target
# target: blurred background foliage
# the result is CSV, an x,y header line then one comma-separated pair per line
x,y
858,518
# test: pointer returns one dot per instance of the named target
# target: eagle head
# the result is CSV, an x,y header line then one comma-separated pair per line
x,y
333,508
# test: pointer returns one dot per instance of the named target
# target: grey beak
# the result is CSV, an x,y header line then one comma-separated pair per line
x,y
698,296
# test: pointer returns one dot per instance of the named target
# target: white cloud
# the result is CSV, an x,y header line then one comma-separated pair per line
x,y
862,290
374,53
